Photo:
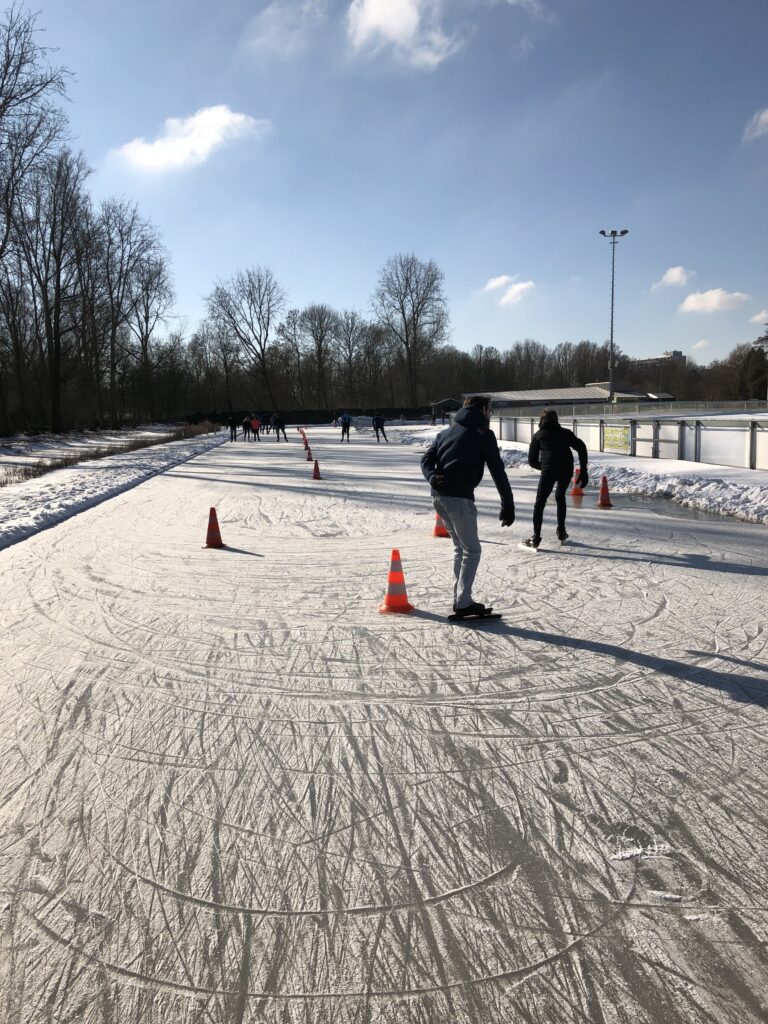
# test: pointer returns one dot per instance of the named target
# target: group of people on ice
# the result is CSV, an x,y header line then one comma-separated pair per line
x,y
253,425
453,465
345,421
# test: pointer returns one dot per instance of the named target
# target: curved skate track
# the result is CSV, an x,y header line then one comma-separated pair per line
x,y
234,792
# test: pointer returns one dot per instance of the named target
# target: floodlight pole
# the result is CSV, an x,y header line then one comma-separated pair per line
x,y
613,237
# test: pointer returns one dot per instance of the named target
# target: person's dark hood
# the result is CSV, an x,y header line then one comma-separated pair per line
x,y
550,429
471,418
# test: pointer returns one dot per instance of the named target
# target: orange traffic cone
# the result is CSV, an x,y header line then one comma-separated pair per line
x,y
213,538
576,491
316,471
396,598
439,529
604,500
309,454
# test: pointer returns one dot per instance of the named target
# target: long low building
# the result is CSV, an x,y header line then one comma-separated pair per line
x,y
591,394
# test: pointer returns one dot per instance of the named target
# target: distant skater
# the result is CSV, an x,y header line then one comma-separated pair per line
x,y
346,423
278,422
550,452
247,428
256,426
453,466
378,425
232,424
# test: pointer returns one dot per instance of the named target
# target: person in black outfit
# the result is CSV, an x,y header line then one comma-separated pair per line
x,y
232,424
550,452
278,422
453,466
378,425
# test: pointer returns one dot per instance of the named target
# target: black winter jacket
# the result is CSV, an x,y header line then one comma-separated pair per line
x,y
550,450
461,453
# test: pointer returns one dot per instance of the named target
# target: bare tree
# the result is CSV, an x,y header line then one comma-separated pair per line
x,y
350,332
91,324
151,300
130,251
45,226
246,307
30,122
294,357
16,340
409,303
318,323
207,364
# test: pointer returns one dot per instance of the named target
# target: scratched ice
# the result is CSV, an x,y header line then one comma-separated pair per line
x,y
234,792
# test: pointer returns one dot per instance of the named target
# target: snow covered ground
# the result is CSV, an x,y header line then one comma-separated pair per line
x,y
28,449
232,792
26,508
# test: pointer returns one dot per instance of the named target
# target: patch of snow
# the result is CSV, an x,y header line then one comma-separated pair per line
x,y
33,505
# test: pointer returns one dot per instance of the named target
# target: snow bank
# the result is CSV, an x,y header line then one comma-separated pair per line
x,y
26,508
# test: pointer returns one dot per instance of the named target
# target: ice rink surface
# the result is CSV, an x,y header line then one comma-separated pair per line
x,y
234,792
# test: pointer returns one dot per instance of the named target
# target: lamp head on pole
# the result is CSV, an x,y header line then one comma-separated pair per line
x,y
612,233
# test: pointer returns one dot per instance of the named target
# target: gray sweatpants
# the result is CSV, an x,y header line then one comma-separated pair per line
x,y
460,518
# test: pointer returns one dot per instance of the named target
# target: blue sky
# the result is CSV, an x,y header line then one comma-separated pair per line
x,y
494,136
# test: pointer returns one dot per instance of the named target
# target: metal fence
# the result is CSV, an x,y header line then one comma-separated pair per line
x,y
742,443
623,409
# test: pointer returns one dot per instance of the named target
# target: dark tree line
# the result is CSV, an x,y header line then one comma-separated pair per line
x,y
86,298
83,287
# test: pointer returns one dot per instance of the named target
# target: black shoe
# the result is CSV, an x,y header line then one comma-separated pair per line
x,y
471,609
562,535
531,542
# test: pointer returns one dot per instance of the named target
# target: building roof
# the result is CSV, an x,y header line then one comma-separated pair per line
x,y
587,394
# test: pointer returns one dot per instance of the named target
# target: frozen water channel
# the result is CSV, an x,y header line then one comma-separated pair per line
x,y
233,792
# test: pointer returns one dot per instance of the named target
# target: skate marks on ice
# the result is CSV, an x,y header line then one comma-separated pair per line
x,y
239,795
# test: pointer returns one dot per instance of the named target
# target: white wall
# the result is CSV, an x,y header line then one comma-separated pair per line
x,y
761,462
726,446
719,444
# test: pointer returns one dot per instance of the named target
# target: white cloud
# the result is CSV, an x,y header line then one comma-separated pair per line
x,y
673,278
411,27
757,126
700,345
516,292
189,141
716,300
497,282
534,7
759,318
284,28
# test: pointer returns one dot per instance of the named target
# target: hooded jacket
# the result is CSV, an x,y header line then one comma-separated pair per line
x,y
550,450
460,455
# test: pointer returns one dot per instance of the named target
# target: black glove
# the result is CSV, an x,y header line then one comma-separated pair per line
x,y
507,514
436,481
583,477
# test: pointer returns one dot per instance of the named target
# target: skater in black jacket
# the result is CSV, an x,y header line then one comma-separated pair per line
x,y
278,423
378,425
550,452
453,466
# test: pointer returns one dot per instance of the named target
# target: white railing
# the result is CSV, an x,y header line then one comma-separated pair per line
x,y
717,441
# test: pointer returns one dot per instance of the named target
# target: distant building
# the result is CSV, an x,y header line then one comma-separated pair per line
x,y
666,359
591,394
